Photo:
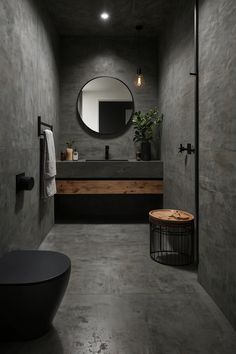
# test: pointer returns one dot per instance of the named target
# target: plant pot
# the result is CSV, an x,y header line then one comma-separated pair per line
x,y
146,151
69,154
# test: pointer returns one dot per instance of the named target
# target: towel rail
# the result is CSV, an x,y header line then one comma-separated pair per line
x,y
40,123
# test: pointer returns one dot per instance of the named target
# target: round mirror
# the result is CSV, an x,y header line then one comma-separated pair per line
x,y
105,106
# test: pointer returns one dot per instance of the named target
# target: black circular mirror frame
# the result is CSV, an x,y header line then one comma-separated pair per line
x,y
99,134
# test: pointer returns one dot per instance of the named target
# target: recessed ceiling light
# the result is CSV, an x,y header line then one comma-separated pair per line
x,y
104,16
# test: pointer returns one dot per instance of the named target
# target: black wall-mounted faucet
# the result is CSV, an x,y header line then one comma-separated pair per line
x,y
189,149
107,152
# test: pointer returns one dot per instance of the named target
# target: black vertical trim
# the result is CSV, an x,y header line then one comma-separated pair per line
x,y
196,118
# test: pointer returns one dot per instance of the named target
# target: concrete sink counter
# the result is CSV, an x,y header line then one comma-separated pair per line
x,y
111,169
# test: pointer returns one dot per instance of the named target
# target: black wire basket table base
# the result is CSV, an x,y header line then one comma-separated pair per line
x,y
171,240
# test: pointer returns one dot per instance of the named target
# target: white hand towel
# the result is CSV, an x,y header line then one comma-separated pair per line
x,y
50,158
49,165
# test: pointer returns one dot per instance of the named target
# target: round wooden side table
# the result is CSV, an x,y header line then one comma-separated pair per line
x,y
171,236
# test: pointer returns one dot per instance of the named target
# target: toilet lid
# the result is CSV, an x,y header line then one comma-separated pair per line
x,y
27,267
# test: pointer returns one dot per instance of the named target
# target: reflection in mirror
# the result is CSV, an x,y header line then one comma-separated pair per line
x,y
105,105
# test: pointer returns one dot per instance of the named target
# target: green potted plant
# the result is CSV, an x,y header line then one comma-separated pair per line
x,y
144,124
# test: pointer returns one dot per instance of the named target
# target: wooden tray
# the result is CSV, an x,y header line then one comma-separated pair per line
x,y
170,216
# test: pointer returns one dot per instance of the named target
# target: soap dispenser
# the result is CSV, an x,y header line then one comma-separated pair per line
x,y
75,155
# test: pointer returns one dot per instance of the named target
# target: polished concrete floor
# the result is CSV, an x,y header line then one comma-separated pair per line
x,y
119,301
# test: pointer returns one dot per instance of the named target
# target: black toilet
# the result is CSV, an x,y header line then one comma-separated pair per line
x,y
32,285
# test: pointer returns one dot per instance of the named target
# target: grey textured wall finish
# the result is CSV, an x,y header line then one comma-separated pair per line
x,y
83,59
176,100
217,30
29,87
217,268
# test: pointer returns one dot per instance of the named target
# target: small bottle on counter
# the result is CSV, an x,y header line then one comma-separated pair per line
x,y
63,156
75,155
138,155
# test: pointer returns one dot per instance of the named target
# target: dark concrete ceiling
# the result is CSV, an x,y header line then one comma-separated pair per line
x,y
81,17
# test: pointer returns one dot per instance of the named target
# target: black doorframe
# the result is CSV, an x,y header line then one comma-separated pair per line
x,y
196,122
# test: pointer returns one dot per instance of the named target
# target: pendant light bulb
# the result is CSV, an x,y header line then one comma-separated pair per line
x,y
139,82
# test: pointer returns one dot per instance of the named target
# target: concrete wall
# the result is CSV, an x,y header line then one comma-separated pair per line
x,y
217,268
176,101
29,87
82,59
217,50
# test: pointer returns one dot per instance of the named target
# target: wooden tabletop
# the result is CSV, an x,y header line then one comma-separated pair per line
x,y
170,216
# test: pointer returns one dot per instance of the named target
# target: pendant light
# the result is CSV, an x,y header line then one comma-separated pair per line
x,y
139,80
